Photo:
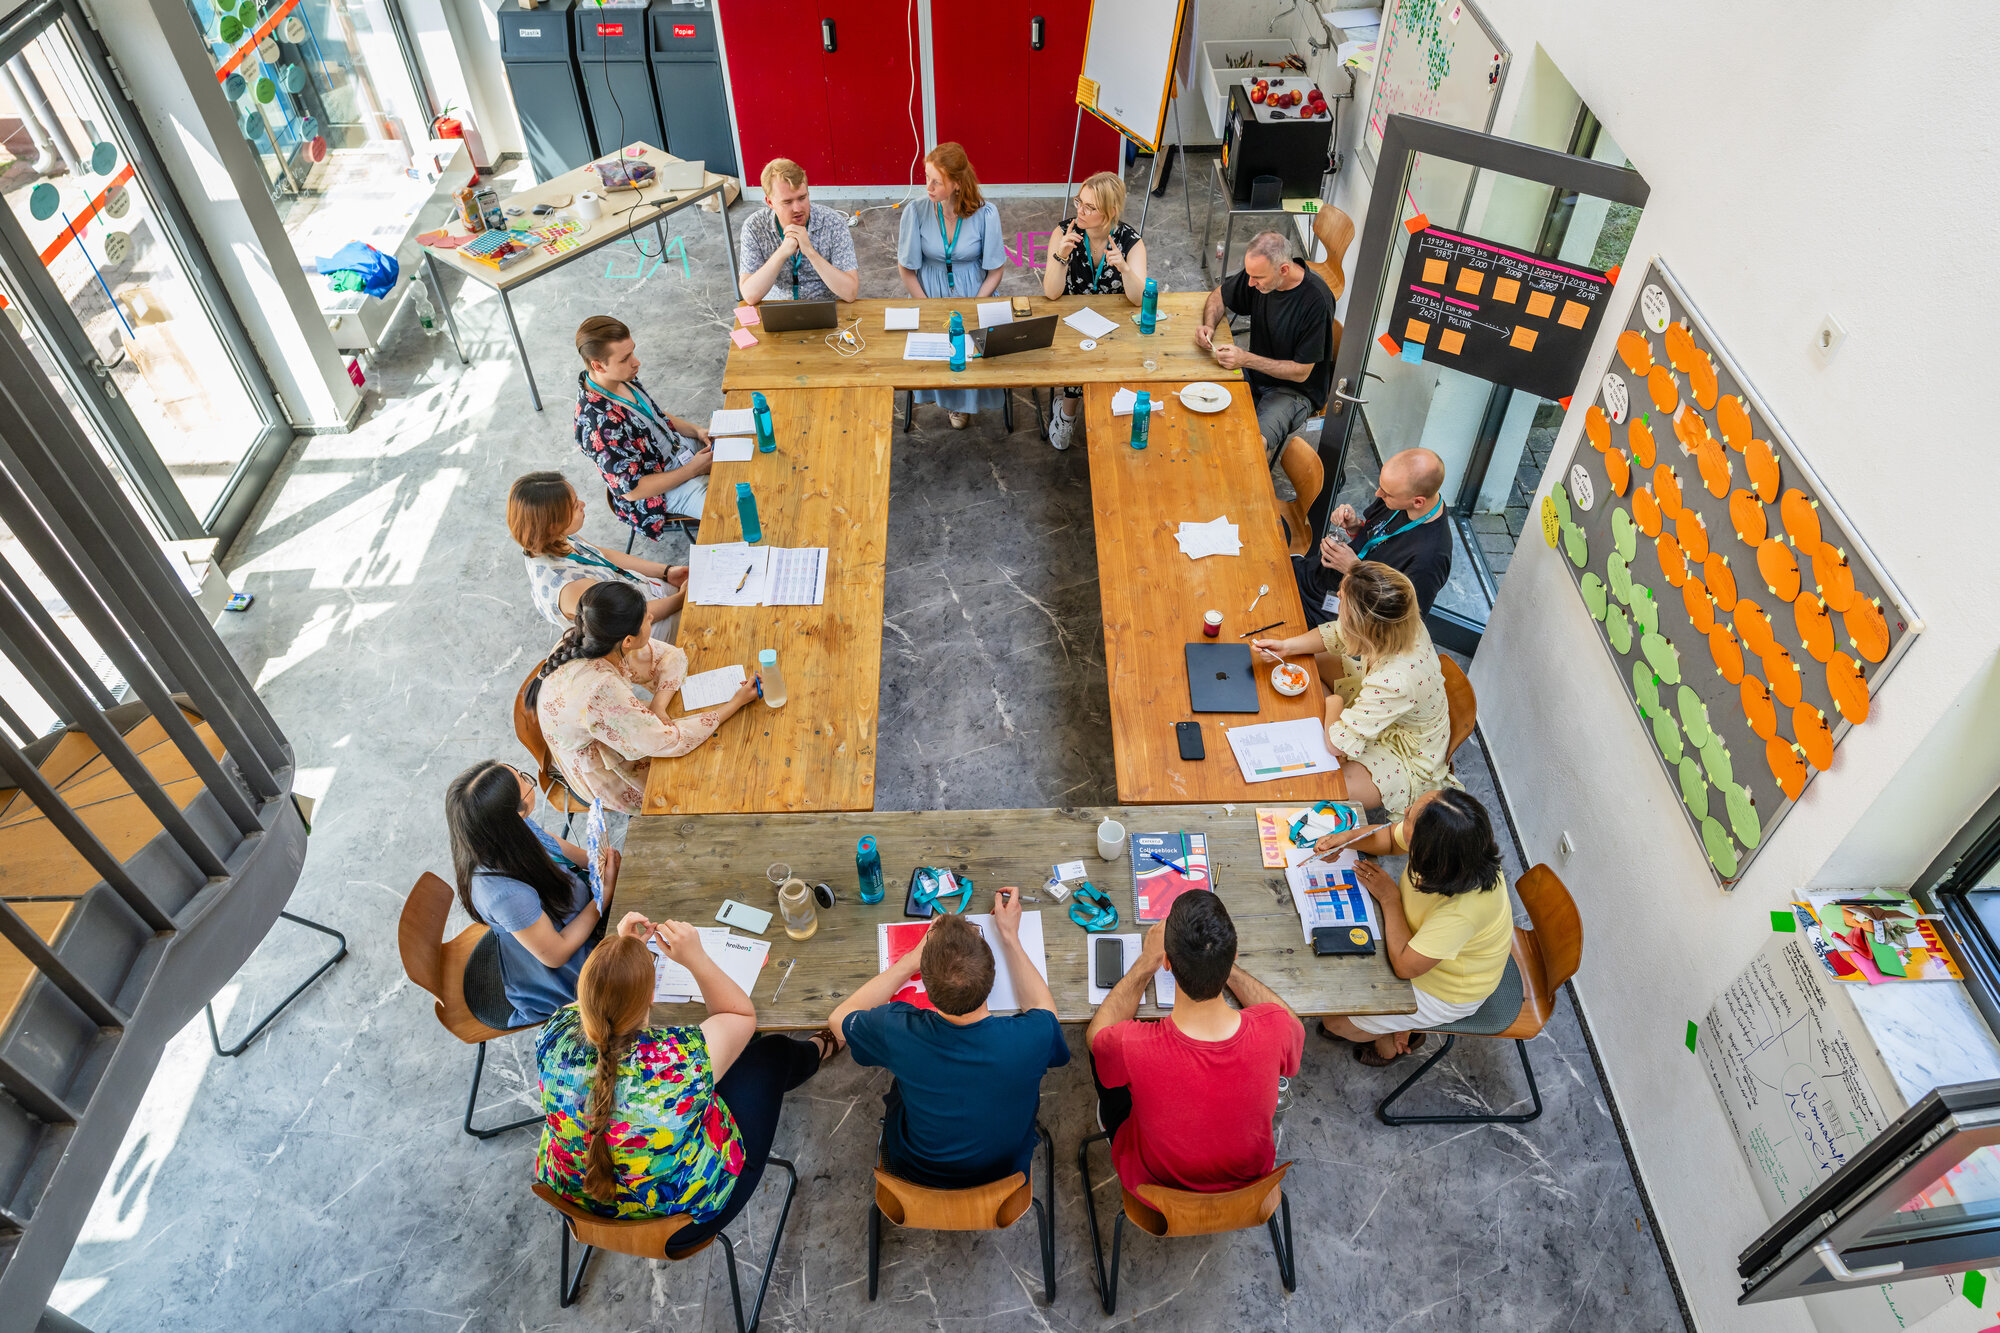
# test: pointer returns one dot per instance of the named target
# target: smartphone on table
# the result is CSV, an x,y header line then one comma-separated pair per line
x,y
1107,961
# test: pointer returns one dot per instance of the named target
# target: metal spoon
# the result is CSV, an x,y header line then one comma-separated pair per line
x,y
1262,588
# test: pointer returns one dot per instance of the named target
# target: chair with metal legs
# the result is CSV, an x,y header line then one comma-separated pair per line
x,y
1543,959
993,1207
215,1037
652,1238
1160,1211
1006,409
528,730
463,976
685,526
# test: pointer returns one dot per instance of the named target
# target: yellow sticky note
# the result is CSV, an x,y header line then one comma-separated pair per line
x,y
1451,340
1524,338
1540,303
1434,270
1416,330
1470,280
1506,289
1574,313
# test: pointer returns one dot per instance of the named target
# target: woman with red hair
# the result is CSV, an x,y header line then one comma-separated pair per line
x,y
951,248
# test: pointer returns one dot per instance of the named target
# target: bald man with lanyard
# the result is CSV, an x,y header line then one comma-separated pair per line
x,y
1403,527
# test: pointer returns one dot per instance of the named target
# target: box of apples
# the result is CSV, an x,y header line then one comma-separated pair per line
x,y
1306,102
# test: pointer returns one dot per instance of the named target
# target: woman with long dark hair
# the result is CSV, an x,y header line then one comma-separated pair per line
x,y
525,883
1447,926
646,1120
598,732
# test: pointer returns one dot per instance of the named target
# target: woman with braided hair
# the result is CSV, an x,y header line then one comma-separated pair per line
x,y
598,732
647,1121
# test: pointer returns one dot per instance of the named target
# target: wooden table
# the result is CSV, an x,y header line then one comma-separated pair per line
x,y
684,868
1194,468
827,485
802,359
624,213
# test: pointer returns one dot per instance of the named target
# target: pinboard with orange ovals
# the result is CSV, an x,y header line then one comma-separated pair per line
x,y
1783,628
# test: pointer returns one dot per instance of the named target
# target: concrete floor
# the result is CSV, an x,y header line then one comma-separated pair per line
x,y
320,1181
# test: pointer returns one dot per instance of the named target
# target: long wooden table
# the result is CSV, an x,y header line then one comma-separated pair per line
x,y
802,359
683,869
1195,468
826,485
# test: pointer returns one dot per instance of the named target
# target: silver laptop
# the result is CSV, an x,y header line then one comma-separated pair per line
x,y
678,176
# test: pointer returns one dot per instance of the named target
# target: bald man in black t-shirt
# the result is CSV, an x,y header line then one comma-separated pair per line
x,y
1288,360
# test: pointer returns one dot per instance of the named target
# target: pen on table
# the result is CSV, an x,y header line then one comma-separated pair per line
x,y
1260,629
1168,864
745,579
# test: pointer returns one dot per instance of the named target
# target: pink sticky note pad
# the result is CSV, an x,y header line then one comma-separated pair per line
x,y
747,315
743,338
635,151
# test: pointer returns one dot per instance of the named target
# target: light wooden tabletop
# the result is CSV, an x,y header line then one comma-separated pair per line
x,y
803,359
619,219
683,868
1195,468
827,485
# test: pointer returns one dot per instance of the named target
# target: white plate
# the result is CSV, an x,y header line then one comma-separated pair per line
x,y
1277,681
1204,397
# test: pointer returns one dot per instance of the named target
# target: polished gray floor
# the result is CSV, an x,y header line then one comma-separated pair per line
x,y
321,1182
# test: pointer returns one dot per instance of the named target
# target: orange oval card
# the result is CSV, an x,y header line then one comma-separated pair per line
x,y
1834,576
1758,709
1597,427
1713,461
1639,434
1800,517
1680,346
1646,511
1815,626
1673,564
1666,393
1760,461
1780,570
1702,382
1747,516
1754,627
1618,468
1849,688
1721,580
1635,351
1692,529
1701,610
1734,419
1786,766
1787,684
1728,655
1814,737
1866,629
1667,486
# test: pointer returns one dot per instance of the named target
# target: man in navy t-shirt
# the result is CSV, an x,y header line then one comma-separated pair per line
x,y
968,1082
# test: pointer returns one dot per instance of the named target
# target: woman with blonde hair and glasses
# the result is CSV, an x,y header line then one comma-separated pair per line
x,y
1386,716
951,248
1094,254
644,1120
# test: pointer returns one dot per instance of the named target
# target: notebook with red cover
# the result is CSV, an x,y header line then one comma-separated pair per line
x,y
1155,886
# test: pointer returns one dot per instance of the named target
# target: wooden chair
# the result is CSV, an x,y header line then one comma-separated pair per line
x,y
528,730
687,526
463,976
1460,703
993,1207
1544,958
1160,1211
1307,474
651,1239
1334,230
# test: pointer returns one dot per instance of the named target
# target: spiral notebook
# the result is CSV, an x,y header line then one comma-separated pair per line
x,y
1155,886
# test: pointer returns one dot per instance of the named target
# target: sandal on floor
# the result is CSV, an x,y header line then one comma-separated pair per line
x,y
827,1051
1366,1053
959,420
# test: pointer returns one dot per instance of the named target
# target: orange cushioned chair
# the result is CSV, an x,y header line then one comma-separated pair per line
x,y
1544,958
1461,704
1307,474
1160,1211
528,730
993,1207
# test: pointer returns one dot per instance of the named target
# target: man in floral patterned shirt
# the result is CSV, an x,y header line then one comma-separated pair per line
x,y
655,465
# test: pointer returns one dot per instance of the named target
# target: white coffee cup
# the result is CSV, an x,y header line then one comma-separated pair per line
x,y
1110,840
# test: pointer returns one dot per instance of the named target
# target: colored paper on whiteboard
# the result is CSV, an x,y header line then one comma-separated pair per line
x,y
1389,344
1086,92
1413,351
1694,1034
743,338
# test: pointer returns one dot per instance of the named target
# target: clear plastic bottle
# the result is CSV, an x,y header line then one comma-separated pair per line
x,y
746,509
774,679
957,341
868,869
796,910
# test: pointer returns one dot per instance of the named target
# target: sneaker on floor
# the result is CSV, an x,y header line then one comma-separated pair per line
x,y
959,420
1061,426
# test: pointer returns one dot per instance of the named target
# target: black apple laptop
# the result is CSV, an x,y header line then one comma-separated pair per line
x,y
1023,335
1220,678
785,316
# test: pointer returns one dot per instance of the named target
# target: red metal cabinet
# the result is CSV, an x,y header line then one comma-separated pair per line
x,y
1012,106
876,107
778,84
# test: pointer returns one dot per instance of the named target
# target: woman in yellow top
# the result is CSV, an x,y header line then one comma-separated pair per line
x,y
1448,925
1386,715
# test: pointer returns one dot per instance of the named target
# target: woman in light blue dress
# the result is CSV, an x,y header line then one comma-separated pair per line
x,y
954,222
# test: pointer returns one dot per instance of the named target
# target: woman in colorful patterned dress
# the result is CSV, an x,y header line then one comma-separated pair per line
x,y
597,731
648,1121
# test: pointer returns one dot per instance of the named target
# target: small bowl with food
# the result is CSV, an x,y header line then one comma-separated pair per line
x,y
1289,679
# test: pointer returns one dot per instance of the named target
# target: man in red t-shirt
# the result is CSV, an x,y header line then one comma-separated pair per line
x,y
1188,1100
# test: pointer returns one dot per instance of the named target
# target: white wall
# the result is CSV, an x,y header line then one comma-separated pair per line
x,y
1782,188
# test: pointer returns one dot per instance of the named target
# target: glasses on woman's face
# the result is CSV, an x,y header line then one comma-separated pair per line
x,y
1084,205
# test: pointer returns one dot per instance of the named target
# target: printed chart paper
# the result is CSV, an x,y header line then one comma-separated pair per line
x,y
1268,751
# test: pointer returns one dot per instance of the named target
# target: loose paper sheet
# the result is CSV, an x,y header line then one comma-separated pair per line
x,y
1124,400
1268,751
995,312
732,421
708,689
798,576
734,449
738,956
1132,945
900,317
716,574
927,347
1089,323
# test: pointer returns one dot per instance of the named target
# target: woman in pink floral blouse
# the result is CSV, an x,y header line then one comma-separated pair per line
x,y
598,731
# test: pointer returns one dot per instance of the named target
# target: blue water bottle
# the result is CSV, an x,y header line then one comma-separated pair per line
x,y
760,412
1142,408
957,341
746,509
868,867
1149,306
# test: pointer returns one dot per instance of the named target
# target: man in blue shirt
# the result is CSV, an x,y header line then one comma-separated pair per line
x,y
968,1082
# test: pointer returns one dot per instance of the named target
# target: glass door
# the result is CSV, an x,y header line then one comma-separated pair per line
x,y
97,262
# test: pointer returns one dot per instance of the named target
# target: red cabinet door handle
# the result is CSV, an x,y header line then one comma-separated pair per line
x,y
1036,27
826,38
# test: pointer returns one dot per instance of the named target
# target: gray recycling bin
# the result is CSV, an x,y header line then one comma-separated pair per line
x,y
687,71
617,81
548,93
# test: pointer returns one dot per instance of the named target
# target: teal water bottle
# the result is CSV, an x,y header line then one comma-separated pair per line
x,y
868,868
1142,408
1149,306
760,412
957,341
746,509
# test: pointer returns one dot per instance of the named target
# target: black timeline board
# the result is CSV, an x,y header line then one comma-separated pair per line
x,y
1479,307
1750,627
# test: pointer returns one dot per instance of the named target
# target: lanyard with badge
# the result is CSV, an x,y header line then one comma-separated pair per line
x,y
1097,269
950,244
671,439
1361,552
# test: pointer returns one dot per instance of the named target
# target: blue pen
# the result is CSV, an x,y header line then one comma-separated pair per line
x,y
1168,864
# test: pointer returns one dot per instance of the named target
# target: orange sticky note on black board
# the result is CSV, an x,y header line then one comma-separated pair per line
x,y
1524,338
1611,275
1416,331
1506,289
1434,270
1417,224
1470,280
1452,341
1574,313
1540,303
1388,344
